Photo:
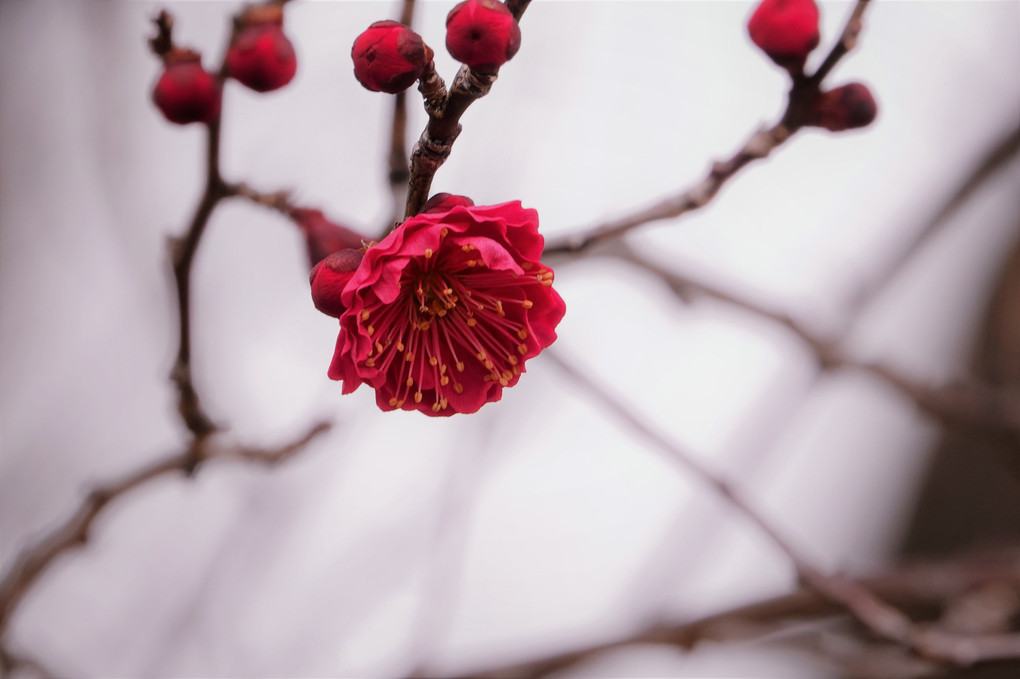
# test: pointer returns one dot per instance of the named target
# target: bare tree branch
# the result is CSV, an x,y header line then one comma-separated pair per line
x,y
759,146
989,409
33,561
445,110
878,617
919,587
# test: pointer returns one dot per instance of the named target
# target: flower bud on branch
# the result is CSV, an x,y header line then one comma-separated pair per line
x,y
845,108
261,57
329,278
482,34
389,57
322,236
185,92
786,30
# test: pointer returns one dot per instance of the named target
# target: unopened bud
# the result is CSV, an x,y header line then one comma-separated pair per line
x,y
844,108
185,92
261,56
786,30
444,202
329,278
389,57
322,236
482,34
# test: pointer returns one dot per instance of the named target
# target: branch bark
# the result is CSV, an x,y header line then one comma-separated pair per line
x,y
445,109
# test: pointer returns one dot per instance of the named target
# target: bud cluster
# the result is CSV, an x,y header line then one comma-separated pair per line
x,y
787,31
260,57
390,57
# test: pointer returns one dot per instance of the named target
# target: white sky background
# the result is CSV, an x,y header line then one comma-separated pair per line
x,y
562,525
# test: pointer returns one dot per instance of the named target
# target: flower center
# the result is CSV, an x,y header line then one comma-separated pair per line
x,y
452,312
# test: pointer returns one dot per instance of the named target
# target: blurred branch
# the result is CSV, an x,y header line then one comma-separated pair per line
x,y
918,587
445,109
995,158
278,201
881,619
989,409
75,532
759,146
11,663
847,41
399,173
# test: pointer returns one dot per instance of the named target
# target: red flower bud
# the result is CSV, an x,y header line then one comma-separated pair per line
x,y
389,57
329,278
444,202
482,34
261,57
786,30
322,236
185,92
844,108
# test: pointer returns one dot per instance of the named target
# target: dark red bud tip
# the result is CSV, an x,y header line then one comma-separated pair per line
x,y
482,34
329,278
389,57
322,236
444,202
185,92
786,30
261,57
844,108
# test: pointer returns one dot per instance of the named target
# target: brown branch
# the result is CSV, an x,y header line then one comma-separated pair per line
x,y
759,146
278,201
32,562
983,408
13,663
182,254
399,173
443,128
919,587
866,608
995,158
847,41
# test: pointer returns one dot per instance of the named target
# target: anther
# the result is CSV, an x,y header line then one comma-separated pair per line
x,y
433,361
417,397
365,314
458,387
522,333
409,382
527,304
428,253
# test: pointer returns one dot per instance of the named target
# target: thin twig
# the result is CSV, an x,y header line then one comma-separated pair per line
x,y
757,147
995,158
878,617
920,586
75,531
278,201
988,409
399,173
436,141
